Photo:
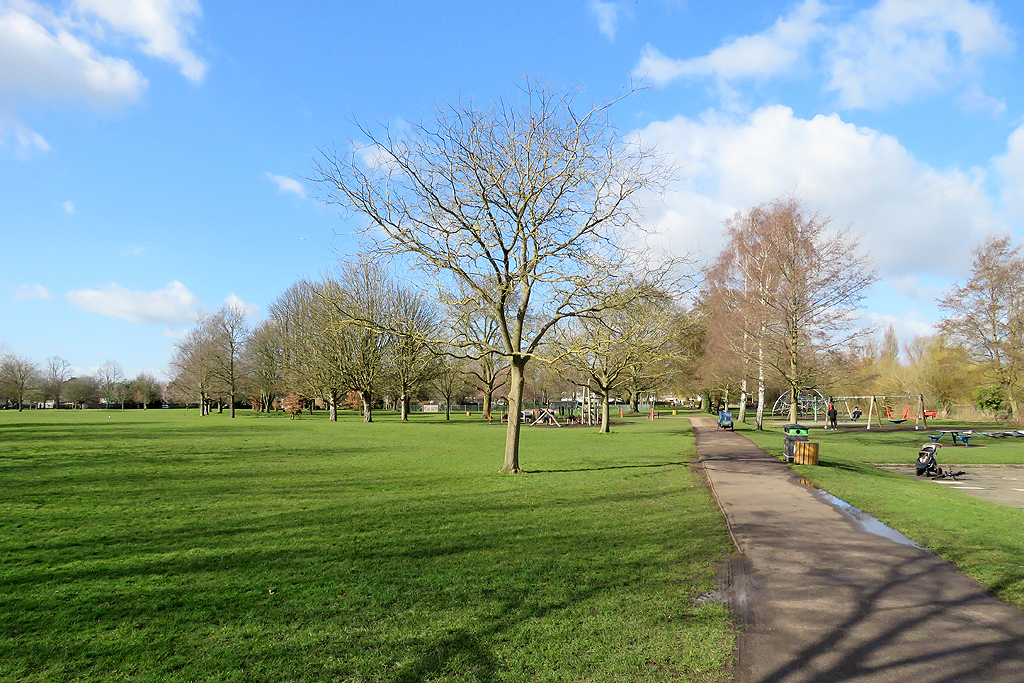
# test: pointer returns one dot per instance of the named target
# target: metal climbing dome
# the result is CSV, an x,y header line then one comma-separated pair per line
x,y
809,401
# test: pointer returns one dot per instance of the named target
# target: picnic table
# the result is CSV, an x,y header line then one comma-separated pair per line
x,y
963,435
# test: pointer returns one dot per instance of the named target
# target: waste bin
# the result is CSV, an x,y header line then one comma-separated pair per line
x,y
794,432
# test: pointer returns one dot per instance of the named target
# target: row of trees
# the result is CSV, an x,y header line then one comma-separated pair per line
x,y
361,333
25,382
778,306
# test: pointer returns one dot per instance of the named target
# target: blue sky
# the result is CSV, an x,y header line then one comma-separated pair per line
x,y
152,152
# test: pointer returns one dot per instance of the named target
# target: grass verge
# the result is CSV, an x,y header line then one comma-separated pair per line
x,y
984,539
161,546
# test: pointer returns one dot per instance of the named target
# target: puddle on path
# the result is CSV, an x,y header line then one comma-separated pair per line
x,y
861,519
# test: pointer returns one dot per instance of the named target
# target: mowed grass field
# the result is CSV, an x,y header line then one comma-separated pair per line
x,y
162,546
984,539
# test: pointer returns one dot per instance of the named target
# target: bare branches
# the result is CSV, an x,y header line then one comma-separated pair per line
x,y
527,204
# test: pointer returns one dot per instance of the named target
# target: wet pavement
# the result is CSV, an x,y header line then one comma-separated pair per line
x,y
823,598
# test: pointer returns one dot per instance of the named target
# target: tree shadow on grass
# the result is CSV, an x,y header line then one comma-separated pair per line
x,y
609,467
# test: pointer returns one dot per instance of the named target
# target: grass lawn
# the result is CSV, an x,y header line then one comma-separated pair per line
x,y
161,546
984,539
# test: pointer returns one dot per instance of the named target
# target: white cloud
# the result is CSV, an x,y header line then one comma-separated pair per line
x,y
52,57
907,326
252,311
288,185
26,292
172,305
162,27
1011,170
900,48
761,55
607,15
888,53
69,207
914,218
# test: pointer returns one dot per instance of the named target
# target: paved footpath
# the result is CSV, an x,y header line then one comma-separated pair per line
x,y
823,601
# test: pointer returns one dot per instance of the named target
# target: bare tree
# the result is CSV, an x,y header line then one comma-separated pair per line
x,y
57,374
359,303
531,204
986,315
602,349
111,379
229,331
19,376
313,343
794,291
411,321
192,368
448,378
263,358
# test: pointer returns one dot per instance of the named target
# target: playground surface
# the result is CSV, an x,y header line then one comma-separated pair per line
x,y
1003,484
821,599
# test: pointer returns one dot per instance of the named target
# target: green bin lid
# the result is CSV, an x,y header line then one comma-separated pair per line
x,y
795,429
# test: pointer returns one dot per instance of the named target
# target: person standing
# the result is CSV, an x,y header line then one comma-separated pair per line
x,y
833,416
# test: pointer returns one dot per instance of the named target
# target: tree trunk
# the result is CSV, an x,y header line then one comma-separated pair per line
x,y
605,414
634,402
404,406
333,405
487,404
794,392
516,382
759,419
367,405
232,404
447,408
743,402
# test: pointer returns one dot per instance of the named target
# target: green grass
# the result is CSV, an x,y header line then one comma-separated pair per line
x,y
984,539
161,546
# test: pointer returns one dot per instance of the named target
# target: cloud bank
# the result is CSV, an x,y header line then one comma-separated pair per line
x,y
914,218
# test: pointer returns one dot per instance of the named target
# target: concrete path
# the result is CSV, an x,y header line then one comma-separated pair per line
x,y
822,601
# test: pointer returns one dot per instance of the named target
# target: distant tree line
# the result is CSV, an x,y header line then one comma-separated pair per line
x,y
25,383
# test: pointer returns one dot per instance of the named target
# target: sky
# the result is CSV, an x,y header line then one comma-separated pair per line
x,y
154,153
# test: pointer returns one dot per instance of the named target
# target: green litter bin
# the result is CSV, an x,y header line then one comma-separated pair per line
x,y
794,432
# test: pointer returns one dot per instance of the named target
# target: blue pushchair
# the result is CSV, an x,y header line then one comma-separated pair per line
x,y
725,420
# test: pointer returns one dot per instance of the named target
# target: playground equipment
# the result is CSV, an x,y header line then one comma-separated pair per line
x,y
589,405
876,404
808,401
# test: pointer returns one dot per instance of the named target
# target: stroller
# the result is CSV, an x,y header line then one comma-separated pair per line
x,y
926,464
725,420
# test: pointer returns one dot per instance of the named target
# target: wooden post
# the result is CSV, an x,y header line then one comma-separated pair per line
x,y
871,410
920,412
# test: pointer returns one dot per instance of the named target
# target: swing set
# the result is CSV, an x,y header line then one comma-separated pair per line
x,y
876,404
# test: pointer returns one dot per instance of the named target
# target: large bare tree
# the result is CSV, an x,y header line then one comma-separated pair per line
x,y
986,315
790,290
56,377
531,204
229,332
